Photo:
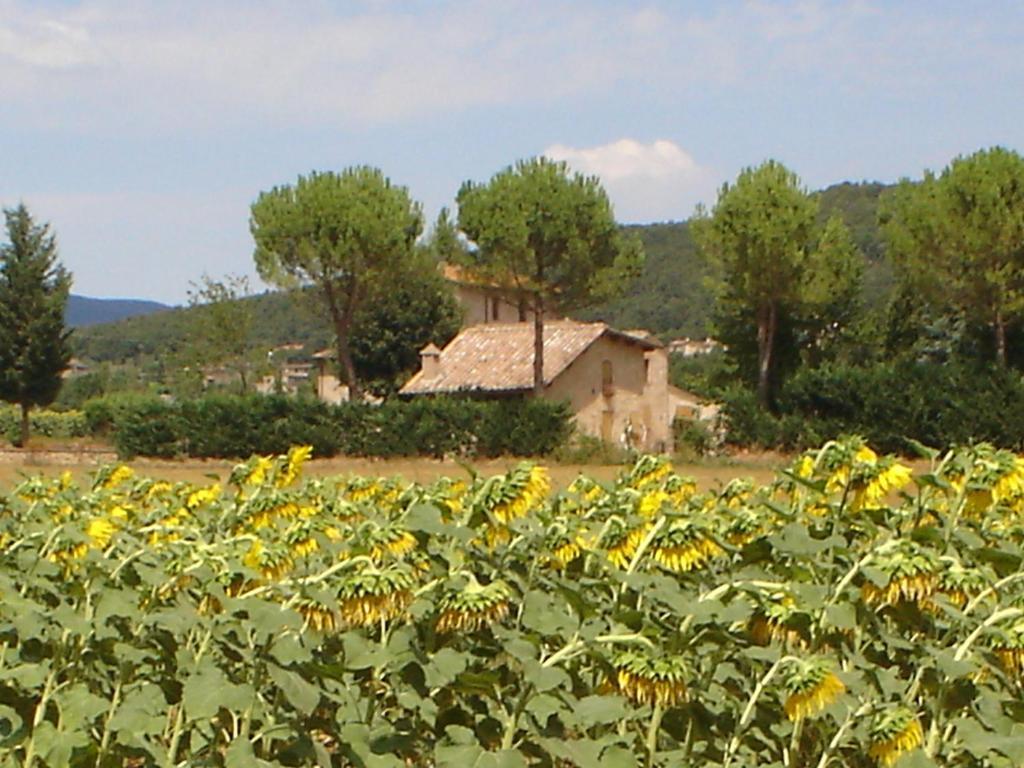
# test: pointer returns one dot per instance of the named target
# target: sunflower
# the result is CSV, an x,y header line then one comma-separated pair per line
x,y
912,573
159,488
100,530
304,546
168,528
117,476
772,621
684,546
523,488
680,489
648,470
391,540
372,596
317,615
885,476
587,489
647,679
289,473
735,494
895,732
959,584
621,543
253,472
1009,649
744,526
69,553
812,686
202,496
273,563
362,489
474,607
564,550
651,502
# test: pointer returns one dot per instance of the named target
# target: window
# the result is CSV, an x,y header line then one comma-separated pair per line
x,y
607,378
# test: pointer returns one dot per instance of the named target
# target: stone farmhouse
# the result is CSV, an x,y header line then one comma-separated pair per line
x,y
616,382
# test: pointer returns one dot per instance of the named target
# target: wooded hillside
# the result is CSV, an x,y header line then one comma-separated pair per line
x,y
670,298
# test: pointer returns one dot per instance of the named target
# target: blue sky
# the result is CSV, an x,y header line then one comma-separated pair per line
x,y
143,130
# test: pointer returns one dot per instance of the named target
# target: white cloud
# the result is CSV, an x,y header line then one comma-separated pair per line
x,y
197,61
646,182
46,44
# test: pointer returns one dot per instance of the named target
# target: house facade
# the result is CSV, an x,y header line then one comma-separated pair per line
x,y
615,382
486,303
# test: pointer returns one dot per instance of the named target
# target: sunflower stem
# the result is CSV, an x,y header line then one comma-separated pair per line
x,y
841,733
965,646
748,711
652,734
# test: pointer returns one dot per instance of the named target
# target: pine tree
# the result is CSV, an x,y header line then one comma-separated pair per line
x,y
34,348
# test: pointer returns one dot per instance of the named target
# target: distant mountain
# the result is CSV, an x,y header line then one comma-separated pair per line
x,y
82,310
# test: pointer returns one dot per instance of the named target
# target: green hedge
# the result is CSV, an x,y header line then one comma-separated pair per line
x,y
890,405
231,426
43,422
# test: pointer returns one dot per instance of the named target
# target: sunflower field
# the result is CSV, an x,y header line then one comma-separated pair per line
x,y
850,613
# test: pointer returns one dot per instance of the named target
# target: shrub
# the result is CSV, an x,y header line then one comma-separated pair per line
x,y
231,426
60,424
692,438
892,404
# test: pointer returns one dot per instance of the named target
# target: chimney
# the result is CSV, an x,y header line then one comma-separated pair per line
x,y
430,361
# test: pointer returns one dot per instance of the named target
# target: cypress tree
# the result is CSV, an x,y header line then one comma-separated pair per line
x,y
34,344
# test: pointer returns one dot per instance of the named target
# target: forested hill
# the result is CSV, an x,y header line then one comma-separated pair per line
x,y
83,310
670,298
278,318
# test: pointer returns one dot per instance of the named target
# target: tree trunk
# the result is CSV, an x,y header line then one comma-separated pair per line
x,y
23,435
1000,328
766,321
345,359
538,345
342,317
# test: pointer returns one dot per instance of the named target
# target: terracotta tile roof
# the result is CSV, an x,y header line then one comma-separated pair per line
x,y
498,357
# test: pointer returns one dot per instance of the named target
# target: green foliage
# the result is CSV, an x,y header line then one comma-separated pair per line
x,y
344,234
848,613
34,287
61,424
692,439
669,297
704,375
774,275
894,404
231,426
416,308
591,450
77,389
542,230
220,330
956,238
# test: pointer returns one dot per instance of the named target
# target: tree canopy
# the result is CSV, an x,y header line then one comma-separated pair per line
x,y
959,238
548,233
773,271
221,326
34,348
343,233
